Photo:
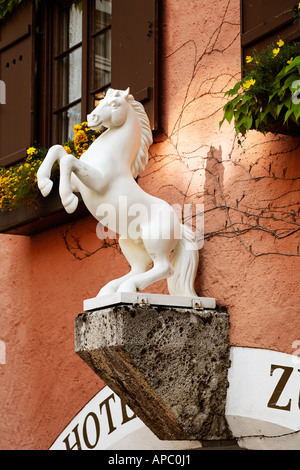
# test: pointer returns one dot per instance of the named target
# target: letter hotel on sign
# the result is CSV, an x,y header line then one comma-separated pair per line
x,y
105,423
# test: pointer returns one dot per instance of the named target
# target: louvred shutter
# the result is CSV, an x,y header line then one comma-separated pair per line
x,y
17,73
134,51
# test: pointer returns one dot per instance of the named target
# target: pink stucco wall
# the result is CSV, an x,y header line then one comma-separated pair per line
x,y
249,260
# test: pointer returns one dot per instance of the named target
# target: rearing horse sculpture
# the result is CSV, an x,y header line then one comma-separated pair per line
x,y
104,175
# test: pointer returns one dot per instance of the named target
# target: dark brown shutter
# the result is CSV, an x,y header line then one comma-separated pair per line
x,y
16,71
264,21
134,49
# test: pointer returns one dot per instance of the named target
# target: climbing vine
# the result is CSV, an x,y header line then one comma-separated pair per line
x,y
249,188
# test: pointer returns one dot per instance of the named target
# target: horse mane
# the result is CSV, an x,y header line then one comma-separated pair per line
x,y
146,137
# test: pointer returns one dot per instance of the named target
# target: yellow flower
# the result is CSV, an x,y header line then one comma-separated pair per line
x,y
80,137
290,61
76,128
280,43
249,59
275,52
31,151
298,6
248,84
67,149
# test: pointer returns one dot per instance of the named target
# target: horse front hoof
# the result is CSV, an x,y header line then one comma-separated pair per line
x,y
45,186
71,205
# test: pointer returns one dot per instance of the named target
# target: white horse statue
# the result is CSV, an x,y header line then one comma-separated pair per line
x,y
160,247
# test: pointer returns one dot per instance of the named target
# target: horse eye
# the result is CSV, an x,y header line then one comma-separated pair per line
x,y
114,104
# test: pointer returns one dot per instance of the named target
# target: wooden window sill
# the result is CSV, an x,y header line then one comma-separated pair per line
x,y
49,213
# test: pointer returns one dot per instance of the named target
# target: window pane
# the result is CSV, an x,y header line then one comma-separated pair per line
x,y
72,25
99,96
70,67
102,74
102,14
69,118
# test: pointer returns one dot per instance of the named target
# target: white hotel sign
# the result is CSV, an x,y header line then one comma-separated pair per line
x,y
263,400
262,409
106,422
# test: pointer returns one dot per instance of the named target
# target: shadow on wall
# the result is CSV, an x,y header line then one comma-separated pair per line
x,y
213,192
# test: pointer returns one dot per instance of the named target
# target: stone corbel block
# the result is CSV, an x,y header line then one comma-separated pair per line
x,y
169,363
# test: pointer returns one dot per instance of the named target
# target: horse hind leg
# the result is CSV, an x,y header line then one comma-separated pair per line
x,y
161,270
138,259
159,251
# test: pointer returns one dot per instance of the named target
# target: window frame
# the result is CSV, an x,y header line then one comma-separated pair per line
x,y
47,130
87,66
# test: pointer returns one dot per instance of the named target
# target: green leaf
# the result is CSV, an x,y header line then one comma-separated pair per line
x,y
229,115
264,113
221,123
248,122
290,80
297,111
235,89
287,114
257,122
294,63
247,98
235,101
286,103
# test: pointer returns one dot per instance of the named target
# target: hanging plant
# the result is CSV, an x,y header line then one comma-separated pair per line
x,y
267,98
18,184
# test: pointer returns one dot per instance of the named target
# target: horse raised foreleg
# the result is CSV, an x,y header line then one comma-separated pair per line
x,y
88,175
56,152
68,198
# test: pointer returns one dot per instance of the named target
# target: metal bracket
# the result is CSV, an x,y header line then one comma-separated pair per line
x,y
197,304
142,299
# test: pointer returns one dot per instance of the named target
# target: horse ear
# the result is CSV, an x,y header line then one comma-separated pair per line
x,y
126,93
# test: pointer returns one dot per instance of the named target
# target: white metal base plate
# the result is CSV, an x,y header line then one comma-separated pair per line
x,y
148,299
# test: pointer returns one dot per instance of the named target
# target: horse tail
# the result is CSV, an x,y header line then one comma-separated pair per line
x,y
56,152
184,261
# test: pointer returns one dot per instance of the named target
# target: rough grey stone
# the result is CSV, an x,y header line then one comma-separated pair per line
x,y
170,363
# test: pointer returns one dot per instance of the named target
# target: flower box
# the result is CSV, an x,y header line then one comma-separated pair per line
x,y
23,210
46,214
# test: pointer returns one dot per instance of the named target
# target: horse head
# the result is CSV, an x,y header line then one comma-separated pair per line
x,y
111,110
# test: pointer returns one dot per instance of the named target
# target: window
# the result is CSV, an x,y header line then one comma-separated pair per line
x,y
57,59
67,68
101,47
264,21
82,56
